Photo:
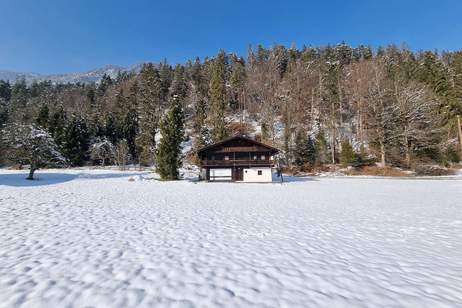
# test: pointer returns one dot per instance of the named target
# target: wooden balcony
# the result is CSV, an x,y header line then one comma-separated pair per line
x,y
237,163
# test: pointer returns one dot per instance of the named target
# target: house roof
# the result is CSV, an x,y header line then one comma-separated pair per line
x,y
238,137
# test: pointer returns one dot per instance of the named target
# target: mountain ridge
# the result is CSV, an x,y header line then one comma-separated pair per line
x,y
89,76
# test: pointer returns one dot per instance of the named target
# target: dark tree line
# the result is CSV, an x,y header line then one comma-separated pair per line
x,y
332,104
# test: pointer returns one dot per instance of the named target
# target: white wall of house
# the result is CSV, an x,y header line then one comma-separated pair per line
x,y
258,175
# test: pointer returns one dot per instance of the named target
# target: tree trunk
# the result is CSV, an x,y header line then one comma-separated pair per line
x,y
459,128
333,147
407,152
360,121
31,173
340,105
312,106
408,157
382,154
333,132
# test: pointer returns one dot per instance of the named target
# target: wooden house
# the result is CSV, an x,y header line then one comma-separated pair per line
x,y
237,159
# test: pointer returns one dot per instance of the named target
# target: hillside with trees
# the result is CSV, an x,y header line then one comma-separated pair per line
x,y
329,105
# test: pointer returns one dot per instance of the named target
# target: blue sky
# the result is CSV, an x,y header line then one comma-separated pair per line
x,y
58,36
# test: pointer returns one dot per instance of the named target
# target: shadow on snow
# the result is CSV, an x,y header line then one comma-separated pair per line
x,y
51,178
292,178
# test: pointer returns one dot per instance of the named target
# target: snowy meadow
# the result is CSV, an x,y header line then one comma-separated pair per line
x,y
102,238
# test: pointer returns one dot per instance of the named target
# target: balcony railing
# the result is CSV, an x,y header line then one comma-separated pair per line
x,y
237,162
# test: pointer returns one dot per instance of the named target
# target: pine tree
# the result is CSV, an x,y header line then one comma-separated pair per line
x,y
301,149
130,131
130,121
20,96
237,82
5,90
76,144
111,128
19,92
166,79
305,150
5,96
149,112
218,97
451,155
91,95
179,86
104,84
262,54
311,151
4,112
57,126
43,117
199,79
168,153
280,55
347,154
120,110
322,149
201,131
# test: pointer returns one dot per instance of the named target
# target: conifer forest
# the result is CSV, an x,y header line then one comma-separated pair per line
x,y
338,104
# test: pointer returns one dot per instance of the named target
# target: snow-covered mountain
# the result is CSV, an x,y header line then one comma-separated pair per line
x,y
84,77
12,76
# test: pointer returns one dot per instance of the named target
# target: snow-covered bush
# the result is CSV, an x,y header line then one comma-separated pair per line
x,y
33,146
102,149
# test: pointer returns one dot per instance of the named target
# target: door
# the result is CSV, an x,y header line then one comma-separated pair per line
x,y
238,174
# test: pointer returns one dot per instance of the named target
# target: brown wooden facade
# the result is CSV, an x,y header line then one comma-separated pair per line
x,y
236,153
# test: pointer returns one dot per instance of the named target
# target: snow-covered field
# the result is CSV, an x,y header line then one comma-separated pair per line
x,y
82,238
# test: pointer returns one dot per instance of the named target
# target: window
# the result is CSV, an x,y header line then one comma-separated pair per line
x,y
226,157
260,172
263,157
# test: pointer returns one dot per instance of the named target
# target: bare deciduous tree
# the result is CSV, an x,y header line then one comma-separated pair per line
x,y
121,154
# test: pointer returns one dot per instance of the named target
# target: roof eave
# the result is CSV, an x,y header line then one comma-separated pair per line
x,y
233,138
